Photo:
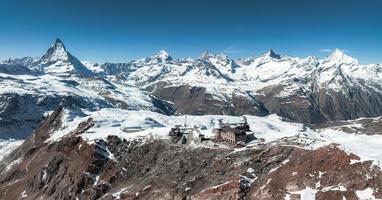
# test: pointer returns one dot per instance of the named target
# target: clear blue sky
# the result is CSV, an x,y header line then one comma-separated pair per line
x,y
121,30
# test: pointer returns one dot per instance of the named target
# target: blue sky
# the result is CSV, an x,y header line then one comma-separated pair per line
x,y
121,30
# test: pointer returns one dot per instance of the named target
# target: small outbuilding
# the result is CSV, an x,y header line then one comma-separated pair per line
x,y
175,132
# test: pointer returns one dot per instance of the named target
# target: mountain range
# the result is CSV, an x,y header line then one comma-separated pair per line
x,y
71,129
306,90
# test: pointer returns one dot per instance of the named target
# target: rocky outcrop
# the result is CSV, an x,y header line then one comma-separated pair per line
x,y
328,171
52,170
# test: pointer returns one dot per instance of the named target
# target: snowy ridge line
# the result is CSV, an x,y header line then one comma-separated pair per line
x,y
217,72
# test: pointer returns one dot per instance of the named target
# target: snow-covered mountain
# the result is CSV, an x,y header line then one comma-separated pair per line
x,y
307,90
57,60
30,92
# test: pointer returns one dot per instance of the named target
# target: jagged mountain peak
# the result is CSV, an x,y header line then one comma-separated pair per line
x,y
59,42
339,56
56,52
272,54
161,57
57,60
269,56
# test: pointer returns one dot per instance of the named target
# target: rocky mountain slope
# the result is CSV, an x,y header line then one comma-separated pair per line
x,y
108,154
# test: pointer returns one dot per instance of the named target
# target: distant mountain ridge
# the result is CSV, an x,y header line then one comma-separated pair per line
x,y
307,90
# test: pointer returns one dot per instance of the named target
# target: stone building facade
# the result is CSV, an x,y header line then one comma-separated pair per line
x,y
232,133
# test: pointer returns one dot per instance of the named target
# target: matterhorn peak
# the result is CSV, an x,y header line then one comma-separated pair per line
x,y
340,56
59,61
58,42
272,54
58,45
56,52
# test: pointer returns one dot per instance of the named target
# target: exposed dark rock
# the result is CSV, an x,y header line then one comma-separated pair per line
x,y
196,101
363,125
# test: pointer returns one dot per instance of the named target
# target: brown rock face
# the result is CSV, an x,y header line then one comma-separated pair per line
x,y
298,107
311,104
315,104
363,125
327,170
57,170
196,101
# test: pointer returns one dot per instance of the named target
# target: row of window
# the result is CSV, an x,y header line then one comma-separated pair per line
x,y
229,138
